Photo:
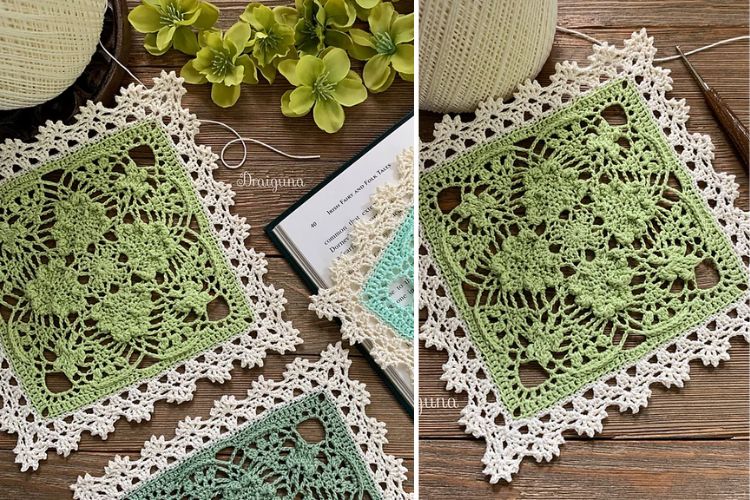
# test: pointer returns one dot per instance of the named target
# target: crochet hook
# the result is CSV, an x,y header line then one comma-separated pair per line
x,y
729,121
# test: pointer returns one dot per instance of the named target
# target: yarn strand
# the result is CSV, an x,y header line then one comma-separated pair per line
x,y
596,41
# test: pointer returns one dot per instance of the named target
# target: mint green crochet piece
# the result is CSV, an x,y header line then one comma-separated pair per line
x,y
272,459
109,271
395,267
573,247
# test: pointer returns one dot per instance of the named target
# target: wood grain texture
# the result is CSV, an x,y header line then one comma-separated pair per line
x,y
257,115
689,442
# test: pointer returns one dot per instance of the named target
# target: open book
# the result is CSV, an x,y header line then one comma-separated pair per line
x,y
315,231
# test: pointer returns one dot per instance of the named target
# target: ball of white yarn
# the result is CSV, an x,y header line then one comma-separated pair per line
x,y
44,46
472,50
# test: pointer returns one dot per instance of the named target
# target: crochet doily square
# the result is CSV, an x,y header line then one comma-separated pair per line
x,y
125,277
373,283
305,436
579,248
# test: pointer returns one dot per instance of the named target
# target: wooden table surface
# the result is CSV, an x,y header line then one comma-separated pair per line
x,y
689,443
257,115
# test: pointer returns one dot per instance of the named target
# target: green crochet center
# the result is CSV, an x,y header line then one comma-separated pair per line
x,y
574,246
300,451
392,273
109,273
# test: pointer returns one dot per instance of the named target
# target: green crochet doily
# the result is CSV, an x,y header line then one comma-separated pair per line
x,y
109,272
572,247
272,459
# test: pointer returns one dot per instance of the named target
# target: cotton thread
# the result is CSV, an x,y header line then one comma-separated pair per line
x,y
596,41
241,140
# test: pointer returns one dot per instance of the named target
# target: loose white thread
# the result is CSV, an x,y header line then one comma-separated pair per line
x,y
242,140
659,59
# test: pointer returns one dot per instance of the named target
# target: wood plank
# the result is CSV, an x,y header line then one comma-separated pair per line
x,y
593,470
53,482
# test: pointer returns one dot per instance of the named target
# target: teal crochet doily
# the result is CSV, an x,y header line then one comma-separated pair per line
x,y
394,271
303,436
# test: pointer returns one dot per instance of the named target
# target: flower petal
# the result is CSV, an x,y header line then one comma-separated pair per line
x,y
403,59
238,35
337,64
385,85
149,43
250,74
328,115
286,15
301,100
361,37
185,41
402,29
350,91
164,37
145,19
191,75
340,14
309,68
208,17
285,109
367,4
224,95
377,71
380,18
234,76
288,68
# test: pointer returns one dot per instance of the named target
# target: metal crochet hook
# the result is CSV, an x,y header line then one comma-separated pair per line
x,y
729,121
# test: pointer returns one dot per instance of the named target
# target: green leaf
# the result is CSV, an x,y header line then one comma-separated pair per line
x,y
186,41
223,95
288,68
192,75
403,59
380,18
402,29
164,37
376,72
145,19
209,14
301,100
328,115
250,74
337,63
309,68
149,43
350,91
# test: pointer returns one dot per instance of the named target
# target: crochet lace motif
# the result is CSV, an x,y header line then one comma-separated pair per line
x,y
124,276
379,265
262,446
565,235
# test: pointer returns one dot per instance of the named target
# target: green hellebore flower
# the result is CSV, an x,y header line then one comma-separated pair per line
x,y
221,62
387,50
167,23
273,35
324,84
320,25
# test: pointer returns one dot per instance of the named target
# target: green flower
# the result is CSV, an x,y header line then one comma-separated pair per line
x,y
69,356
674,264
626,208
386,50
551,188
603,284
320,25
323,85
148,247
193,298
134,181
221,62
125,315
55,290
79,222
167,23
524,262
12,236
273,35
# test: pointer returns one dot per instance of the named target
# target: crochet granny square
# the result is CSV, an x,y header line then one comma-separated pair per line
x,y
124,277
305,436
581,246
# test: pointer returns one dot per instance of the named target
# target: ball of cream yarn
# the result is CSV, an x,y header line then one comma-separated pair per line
x,y
472,50
44,47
